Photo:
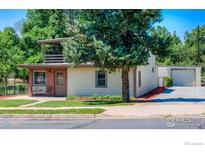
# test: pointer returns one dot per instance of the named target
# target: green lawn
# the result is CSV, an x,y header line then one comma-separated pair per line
x,y
75,103
60,111
14,102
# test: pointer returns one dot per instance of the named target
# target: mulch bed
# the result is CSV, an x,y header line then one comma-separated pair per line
x,y
152,94
3,97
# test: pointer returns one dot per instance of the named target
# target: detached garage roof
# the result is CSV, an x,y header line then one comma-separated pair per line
x,y
180,67
164,71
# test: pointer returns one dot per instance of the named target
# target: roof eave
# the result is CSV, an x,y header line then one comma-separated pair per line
x,y
53,65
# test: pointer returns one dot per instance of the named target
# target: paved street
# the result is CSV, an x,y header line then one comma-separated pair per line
x,y
170,123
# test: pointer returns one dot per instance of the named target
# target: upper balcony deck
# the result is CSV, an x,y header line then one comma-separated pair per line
x,y
54,54
54,58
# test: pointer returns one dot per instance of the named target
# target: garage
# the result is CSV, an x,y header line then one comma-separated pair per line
x,y
183,77
189,76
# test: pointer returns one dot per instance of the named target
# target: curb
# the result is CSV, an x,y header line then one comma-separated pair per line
x,y
87,116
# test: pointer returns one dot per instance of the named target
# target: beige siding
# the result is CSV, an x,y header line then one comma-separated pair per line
x,y
198,77
163,72
149,79
81,81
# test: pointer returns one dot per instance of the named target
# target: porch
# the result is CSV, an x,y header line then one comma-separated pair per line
x,y
47,80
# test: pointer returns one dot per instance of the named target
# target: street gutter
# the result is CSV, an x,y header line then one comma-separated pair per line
x,y
88,116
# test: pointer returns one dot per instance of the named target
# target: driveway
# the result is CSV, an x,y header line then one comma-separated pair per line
x,y
173,101
181,95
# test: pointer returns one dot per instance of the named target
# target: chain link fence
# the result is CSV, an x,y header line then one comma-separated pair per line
x,y
13,90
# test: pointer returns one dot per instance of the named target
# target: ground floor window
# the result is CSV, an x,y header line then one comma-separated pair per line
x,y
139,79
39,78
101,79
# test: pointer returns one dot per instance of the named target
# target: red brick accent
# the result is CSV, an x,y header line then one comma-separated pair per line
x,y
30,82
50,80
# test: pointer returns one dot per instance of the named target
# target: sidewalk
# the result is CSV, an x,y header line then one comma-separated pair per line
x,y
145,110
154,109
140,110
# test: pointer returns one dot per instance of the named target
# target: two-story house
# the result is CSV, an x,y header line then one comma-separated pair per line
x,y
55,77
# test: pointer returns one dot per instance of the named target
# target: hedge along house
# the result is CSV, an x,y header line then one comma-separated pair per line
x,y
54,77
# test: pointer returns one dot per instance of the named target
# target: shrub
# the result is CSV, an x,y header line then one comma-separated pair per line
x,y
95,97
72,97
168,81
104,97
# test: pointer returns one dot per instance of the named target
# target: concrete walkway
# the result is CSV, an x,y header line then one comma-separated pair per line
x,y
138,110
155,109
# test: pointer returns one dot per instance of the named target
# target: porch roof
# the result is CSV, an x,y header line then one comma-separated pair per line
x,y
53,65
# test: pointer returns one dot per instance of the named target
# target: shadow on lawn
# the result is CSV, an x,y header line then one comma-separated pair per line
x,y
168,100
168,91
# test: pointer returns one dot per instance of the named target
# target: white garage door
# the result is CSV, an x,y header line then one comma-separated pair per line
x,y
184,77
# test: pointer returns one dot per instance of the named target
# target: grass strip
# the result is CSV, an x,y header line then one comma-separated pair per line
x,y
59,111
78,103
14,102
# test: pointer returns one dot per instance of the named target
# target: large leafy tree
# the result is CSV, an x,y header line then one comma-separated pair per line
x,y
22,47
10,54
169,48
162,41
112,39
165,44
191,40
41,24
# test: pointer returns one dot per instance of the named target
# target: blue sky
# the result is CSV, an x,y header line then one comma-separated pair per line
x,y
10,17
182,20
175,20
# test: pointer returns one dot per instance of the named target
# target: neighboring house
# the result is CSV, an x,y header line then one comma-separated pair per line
x,y
54,77
181,75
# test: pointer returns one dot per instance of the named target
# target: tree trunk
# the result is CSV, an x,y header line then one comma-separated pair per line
x,y
14,85
125,85
6,91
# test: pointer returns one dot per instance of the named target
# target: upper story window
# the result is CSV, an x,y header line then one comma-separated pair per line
x,y
101,79
39,78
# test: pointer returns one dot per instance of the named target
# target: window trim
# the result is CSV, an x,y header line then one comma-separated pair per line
x,y
34,78
96,79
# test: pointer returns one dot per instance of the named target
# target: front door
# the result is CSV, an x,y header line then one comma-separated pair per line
x,y
60,83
